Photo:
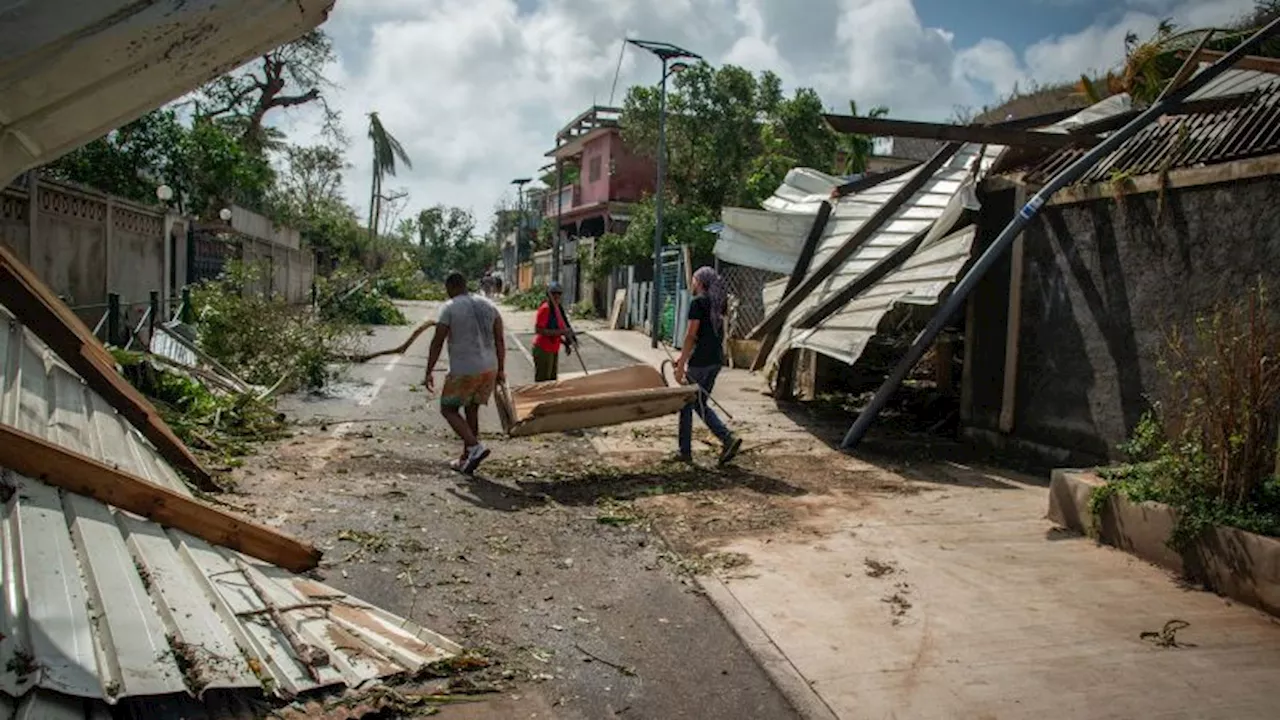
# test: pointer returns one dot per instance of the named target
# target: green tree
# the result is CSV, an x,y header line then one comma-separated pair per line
x,y
386,150
444,239
855,149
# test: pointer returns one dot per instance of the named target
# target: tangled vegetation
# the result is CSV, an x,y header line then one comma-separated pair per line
x,y
264,339
222,425
528,299
1208,448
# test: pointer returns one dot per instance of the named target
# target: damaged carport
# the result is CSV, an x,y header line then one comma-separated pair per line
x,y
125,594
880,250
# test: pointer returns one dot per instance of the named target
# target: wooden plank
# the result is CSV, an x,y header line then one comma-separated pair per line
x,y
775,320
52,321
1013,334
966,372
985,134
1188,67
863,282
1248,62
42,460
798,272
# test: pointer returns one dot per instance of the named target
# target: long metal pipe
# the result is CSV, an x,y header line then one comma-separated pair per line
x,y
1020,221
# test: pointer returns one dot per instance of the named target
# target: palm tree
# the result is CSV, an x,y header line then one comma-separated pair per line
x,y
386,149
855,150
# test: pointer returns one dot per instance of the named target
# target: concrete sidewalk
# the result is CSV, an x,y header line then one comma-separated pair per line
x,y
956,599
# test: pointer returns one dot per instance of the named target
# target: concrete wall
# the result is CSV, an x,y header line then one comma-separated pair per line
x,y
1102,285
85,244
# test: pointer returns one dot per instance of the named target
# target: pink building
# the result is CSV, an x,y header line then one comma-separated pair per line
x,y
609,176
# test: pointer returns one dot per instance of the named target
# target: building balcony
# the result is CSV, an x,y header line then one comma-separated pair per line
x,y
553,203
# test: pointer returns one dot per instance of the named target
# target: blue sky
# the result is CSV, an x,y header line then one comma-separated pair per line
x,y
475,89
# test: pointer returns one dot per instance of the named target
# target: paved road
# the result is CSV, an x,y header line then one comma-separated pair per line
x,y
544,587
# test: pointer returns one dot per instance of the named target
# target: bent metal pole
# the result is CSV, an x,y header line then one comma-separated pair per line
x,y
1020,221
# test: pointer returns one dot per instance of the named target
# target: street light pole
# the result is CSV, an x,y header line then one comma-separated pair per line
x,y
666,52
655,301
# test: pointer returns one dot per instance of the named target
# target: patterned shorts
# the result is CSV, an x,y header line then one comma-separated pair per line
x,y
464,390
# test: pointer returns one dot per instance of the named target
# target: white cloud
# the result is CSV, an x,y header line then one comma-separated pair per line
x,y
476,89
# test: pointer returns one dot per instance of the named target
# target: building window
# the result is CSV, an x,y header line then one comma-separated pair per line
x,y
593,171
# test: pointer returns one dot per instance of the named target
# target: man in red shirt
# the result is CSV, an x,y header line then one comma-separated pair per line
x,y
550,329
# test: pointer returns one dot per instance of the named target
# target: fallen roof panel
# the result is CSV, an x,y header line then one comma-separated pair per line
x,y
71,71
937,205
105,605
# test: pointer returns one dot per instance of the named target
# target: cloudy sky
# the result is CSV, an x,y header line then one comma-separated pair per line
x,y
475,89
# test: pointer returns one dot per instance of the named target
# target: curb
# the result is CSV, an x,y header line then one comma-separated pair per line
x,y
784,675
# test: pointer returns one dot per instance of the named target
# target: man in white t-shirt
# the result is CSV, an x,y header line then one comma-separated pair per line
x,y
477,361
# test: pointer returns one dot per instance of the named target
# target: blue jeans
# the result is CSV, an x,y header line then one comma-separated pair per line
x,y
705,378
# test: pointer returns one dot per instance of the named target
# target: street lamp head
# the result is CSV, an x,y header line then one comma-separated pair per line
x,y
521,181
679,67
225,214
164,193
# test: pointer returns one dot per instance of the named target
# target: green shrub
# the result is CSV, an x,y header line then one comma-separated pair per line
x,y
1208,447
262,339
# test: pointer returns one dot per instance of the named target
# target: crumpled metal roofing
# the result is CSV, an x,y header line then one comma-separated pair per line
x,y
939,202
107,606
762,239
71,71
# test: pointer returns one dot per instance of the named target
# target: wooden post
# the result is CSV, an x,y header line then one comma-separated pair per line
x,y
154,315
944,354
113,319
1013,334
797,275
966,374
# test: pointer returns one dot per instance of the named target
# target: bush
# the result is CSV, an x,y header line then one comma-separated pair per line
x,y
349,294
262,339
1208,448
528,299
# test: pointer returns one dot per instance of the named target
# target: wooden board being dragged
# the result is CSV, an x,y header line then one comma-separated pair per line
x,y
608,397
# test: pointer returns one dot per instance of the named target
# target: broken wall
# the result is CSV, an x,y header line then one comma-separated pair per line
x,y
1103,282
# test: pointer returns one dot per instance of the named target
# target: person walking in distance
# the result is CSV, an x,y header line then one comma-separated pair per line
x,y
701,356
551,330
472,326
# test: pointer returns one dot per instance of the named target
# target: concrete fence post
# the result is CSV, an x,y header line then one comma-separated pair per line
x,y
154,315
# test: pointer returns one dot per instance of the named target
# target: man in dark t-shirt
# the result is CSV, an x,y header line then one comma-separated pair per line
x,y
701,356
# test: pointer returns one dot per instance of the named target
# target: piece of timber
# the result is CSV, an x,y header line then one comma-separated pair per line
x,y
776,319
797,274
41,460
53,322
985,134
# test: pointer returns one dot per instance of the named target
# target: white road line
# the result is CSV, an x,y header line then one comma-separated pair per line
x,y
367,400
523,350
392,363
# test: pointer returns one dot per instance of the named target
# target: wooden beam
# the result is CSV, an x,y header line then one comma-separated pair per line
x,y
1035,121
870,181
40,459
797,274
1248,62
1013,334
1188,67
863,282
53,322
985,134
775,320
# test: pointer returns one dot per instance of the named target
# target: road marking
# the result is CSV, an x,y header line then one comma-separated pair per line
x,y
367,400
324,451
523,350
392,363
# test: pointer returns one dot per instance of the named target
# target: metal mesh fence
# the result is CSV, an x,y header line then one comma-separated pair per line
x,y
745,286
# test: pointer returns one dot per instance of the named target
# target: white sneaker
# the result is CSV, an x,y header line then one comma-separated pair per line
x,y
475,455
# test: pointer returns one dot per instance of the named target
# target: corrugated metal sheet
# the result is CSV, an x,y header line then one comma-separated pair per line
x,y
164,344
1234,82
1180,141
762,239
104,605
921,280
802,191
946,193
